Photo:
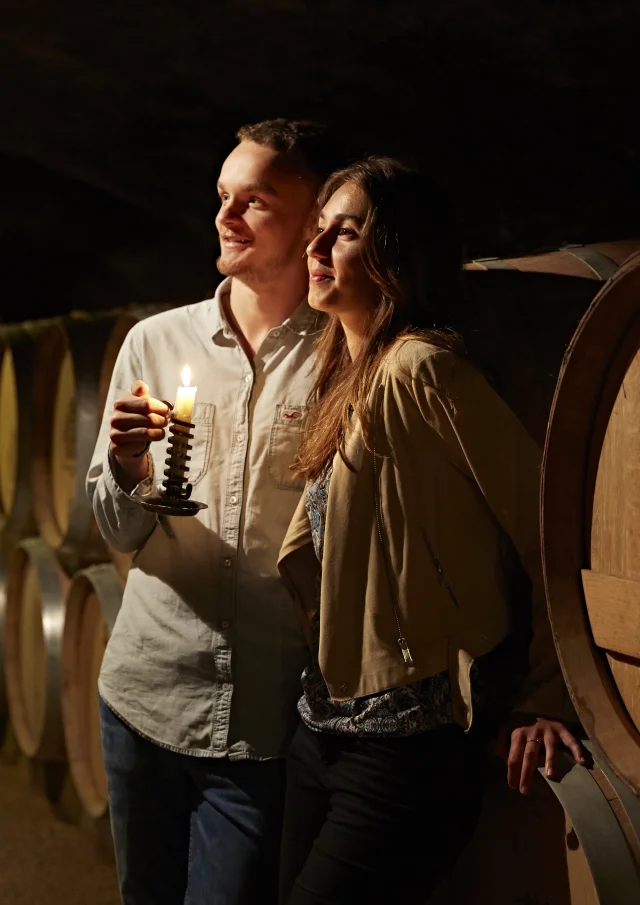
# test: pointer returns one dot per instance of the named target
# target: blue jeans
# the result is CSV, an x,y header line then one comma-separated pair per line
x,y
191,830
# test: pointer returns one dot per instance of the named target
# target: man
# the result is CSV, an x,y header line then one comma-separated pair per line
x,y
201,675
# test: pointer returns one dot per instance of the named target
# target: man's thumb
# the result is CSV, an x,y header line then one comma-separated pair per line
x,y
139,388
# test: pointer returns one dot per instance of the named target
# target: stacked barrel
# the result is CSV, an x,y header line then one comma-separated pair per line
x,y
61,585
558,334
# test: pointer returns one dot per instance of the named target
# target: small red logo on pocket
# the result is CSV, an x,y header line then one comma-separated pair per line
x,y
291,414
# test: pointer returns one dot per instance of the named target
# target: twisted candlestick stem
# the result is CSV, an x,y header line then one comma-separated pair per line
x,y
176,473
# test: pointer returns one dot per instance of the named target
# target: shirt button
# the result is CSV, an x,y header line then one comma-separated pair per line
x,y
247,378
225,623
276,333
227,563
234,500
343,688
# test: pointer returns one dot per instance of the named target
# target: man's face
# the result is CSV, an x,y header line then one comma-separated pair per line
x,y
265,214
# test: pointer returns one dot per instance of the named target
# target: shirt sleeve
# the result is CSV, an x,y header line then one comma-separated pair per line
x,y
122,522
487,442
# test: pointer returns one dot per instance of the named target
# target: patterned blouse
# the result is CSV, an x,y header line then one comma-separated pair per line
x,y
408,709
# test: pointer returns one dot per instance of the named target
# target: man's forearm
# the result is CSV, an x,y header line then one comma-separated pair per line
x,y
122,522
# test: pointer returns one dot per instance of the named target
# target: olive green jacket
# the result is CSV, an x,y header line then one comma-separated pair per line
x,y
416,542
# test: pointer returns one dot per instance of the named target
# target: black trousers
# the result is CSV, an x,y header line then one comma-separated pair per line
x,y
377,820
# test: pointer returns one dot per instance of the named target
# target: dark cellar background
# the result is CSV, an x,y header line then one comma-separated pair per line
x,y
115,116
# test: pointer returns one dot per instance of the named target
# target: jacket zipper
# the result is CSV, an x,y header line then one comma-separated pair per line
x,y
438,567
401,640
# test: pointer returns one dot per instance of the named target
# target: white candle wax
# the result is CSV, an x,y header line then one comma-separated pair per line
x,y
185,397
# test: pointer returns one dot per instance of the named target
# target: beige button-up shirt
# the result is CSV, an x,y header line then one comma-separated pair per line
x,y
206,654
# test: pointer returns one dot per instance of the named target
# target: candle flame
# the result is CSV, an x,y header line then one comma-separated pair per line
x,y
186,376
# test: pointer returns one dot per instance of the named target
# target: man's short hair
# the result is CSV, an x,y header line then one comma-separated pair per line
x,y
309,144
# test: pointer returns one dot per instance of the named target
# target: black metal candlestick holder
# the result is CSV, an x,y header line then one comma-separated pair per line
x,y
175,496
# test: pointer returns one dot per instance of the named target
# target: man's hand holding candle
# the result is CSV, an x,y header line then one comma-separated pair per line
x,y
137,419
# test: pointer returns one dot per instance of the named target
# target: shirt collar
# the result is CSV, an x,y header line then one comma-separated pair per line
x,y
304,321
215,309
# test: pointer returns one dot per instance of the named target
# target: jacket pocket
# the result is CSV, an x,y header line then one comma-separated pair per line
x,y
442,578
286,434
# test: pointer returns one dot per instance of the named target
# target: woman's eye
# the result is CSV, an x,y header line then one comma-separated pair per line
x,y
319,229
345,231
255,201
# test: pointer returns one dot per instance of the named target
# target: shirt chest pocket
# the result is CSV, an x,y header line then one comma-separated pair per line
x,y
200,453
286,434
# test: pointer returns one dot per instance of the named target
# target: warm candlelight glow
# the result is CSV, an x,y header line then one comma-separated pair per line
x,y
183,409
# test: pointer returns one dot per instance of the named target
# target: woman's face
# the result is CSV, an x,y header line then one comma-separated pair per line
x,y
338,281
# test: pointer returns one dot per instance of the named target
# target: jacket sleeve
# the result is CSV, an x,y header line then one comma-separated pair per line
x,y
489,444
299,567
123,523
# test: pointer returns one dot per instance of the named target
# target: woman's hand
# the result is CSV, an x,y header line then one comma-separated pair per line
x,y
522,740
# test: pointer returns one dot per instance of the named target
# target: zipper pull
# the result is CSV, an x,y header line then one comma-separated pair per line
x,y
406,653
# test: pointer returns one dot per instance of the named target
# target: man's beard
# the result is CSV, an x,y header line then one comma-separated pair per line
x,y
260,273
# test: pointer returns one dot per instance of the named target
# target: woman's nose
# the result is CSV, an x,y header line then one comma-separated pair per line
x,y
319,247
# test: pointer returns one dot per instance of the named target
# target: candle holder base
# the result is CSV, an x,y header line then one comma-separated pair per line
x,y
162,504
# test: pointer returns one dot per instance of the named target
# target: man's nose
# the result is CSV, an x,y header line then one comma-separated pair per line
x,y
229,213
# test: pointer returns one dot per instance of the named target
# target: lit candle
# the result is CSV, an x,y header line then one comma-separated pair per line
x,y
183,409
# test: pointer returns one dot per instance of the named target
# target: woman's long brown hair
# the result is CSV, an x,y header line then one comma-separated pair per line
x,y
412,253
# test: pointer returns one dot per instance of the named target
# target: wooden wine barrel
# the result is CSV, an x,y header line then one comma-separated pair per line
x,y
518,316
121,563
4,707
75,362
591,521
9,421
570,842
595,262
34,619
93,601
516,328
18,361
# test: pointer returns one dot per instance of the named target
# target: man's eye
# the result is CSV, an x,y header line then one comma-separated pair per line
x,y
223,196
319,229
255,201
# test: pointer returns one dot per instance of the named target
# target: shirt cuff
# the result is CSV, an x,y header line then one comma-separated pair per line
x,y
120,484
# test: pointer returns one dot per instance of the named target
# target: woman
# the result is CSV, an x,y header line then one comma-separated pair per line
x,y
406,557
